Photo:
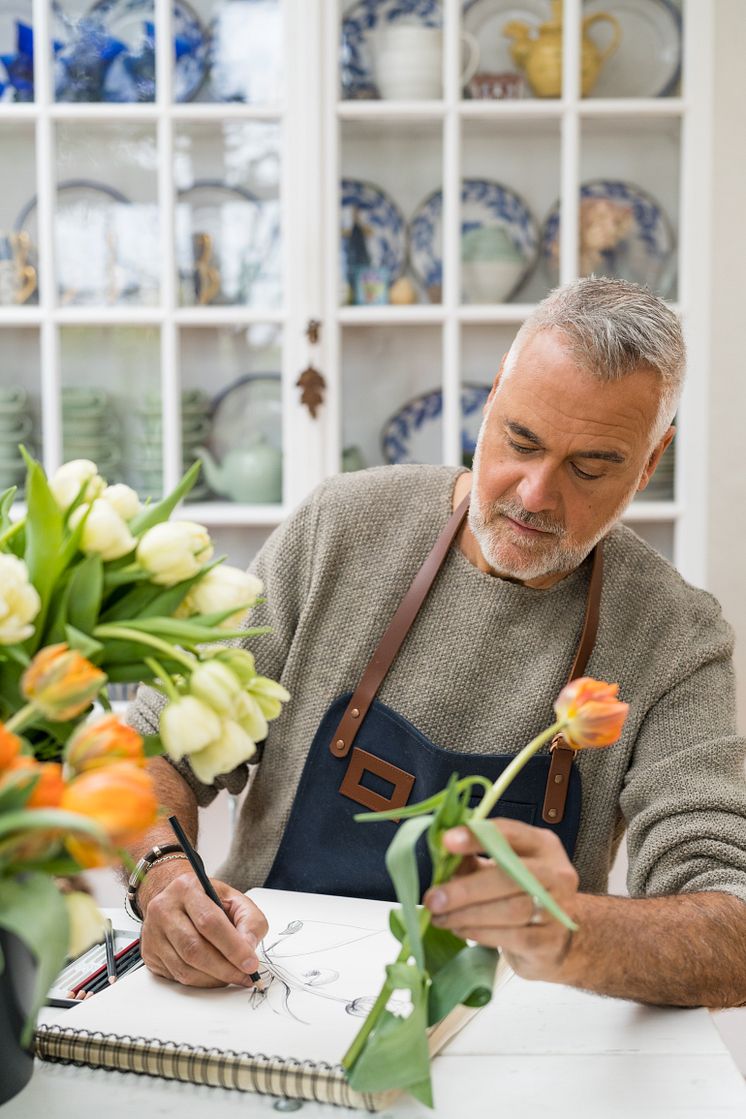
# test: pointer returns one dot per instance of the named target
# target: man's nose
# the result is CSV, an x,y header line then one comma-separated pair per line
x,y
537,489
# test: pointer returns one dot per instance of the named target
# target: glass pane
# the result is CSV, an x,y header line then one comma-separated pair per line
x,y
392,401
236,426
508,63
18,276
228,228
392,51
107,230
391,176
19,402
16,52
511,174
105,369
245,51
631,50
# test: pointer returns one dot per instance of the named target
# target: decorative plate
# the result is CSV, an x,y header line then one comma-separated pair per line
x,y
16,51
250,407
647,62
624,232
228,240
381,222
359,29
109,54
483,204
413,434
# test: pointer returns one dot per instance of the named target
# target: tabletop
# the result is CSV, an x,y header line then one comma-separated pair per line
x,y
537,1045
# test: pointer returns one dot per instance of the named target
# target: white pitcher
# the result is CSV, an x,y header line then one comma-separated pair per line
x,y
409,62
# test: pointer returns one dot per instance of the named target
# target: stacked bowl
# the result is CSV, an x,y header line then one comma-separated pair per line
x,y
146,468
90,429
15,427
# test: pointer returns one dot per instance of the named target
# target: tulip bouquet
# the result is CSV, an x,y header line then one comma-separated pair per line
x,y
97,589
435,970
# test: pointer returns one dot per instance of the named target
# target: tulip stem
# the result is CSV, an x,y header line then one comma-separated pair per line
x,y
122,633
491,797
163,677
22,718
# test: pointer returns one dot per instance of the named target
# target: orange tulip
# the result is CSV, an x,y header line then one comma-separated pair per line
x,y
10,746
49,787
61,683
591,713
102,742
119,797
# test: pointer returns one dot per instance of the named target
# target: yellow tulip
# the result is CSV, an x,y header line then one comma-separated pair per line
x,y
591,713
101,742
61,683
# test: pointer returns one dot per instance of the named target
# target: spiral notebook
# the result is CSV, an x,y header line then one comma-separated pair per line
x,y
324,958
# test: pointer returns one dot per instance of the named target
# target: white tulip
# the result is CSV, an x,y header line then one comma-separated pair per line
x,y
215,685
80,476
188,725
19,601
251,717
221,588
269,695
123,499
174,551
104,531
233,747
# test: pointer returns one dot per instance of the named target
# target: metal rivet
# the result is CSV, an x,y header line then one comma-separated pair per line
x,y
558,778
552,812
287,1105
339,744
355,713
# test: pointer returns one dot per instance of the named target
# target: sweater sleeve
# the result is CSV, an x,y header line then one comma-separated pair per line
x,y
684,797
284,566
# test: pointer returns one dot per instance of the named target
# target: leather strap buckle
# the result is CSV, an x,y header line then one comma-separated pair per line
x,y
361,762
558,780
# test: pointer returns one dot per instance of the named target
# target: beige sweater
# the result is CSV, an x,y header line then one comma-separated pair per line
x,y
479,671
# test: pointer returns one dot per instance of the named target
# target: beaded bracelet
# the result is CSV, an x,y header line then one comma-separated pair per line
x,y
160,853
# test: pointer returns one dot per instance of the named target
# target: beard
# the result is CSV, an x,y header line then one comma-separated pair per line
x,y
526,558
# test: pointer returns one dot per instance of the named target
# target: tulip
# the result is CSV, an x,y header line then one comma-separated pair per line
x,y
269,695
101,742
119,797
123,499
47,792
173,551
590,713
232,747
215,684
250,716
85,922
19,601
104,532
61,683
220,589
78,478
187,725
10,747
240,661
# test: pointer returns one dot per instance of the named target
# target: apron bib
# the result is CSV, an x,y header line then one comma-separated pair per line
x,y
365,756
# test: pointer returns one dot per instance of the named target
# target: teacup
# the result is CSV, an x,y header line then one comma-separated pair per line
x,y
81,398
15,426
409,61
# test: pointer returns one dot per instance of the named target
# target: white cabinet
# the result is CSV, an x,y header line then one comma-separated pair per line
x,y
219,240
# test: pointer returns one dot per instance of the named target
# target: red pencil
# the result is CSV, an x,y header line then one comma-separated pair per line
x,y
100,970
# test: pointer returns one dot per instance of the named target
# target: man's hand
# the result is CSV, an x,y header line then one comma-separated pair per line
x,y
186,937
482,903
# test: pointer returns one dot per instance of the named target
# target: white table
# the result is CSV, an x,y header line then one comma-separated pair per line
x,y
536,1047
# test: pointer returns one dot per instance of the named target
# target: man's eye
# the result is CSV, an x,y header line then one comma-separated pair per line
x,y
584,475
521,448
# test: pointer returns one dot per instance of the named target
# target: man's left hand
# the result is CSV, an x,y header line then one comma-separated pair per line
x,y
484,904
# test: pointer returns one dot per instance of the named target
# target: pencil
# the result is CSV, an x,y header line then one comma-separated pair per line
x,y
111,963
199,869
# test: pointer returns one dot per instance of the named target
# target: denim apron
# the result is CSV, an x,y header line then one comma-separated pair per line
x,y
365,756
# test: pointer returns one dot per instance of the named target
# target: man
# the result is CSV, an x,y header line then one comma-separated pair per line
x,y
577,419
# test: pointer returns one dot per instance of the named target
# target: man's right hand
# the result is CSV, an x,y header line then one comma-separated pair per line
x,y
186,937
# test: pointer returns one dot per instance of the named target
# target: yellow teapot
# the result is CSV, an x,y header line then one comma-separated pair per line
x,y
540,54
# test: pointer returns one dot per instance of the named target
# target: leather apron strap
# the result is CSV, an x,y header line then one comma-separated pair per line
x,y
402,621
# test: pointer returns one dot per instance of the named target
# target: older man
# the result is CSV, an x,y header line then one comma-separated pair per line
x,y
417,641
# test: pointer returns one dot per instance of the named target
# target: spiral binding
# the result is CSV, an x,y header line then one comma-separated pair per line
x,y
217,1068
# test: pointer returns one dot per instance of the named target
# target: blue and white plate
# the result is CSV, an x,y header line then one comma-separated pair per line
x,y
360,27
382,223
483,203
632,236
414,433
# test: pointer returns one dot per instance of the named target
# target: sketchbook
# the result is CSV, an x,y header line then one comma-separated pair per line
x,y
323,962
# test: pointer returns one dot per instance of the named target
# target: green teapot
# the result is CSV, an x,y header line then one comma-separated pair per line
x,y
251,474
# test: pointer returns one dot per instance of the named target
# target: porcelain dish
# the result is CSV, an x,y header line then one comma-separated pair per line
x,y
382,223
361,26
414,433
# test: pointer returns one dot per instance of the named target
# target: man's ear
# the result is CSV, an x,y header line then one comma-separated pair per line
x,y
495,383
655,457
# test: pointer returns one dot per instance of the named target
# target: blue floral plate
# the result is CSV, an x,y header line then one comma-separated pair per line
x,y
414,433
624,232
484,204
359,29
381,223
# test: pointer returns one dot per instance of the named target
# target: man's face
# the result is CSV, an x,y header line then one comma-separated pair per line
x,y
559,457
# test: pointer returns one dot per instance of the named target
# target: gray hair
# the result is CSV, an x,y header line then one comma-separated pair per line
x,y
612,328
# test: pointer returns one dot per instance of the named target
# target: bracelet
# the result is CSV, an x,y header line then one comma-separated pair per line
x,y
160,853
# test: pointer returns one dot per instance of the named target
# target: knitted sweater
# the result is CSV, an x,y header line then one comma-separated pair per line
x,y
479,671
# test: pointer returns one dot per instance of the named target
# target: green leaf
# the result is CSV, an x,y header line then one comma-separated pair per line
x,y
86,589
189,630
155,514
122,576
44,537
468,977
34,819
401,863
6,504
87,646
497,846
16,790
135,603
152,745
32,908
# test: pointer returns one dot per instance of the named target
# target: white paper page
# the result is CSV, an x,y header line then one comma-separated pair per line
x,y
327,956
